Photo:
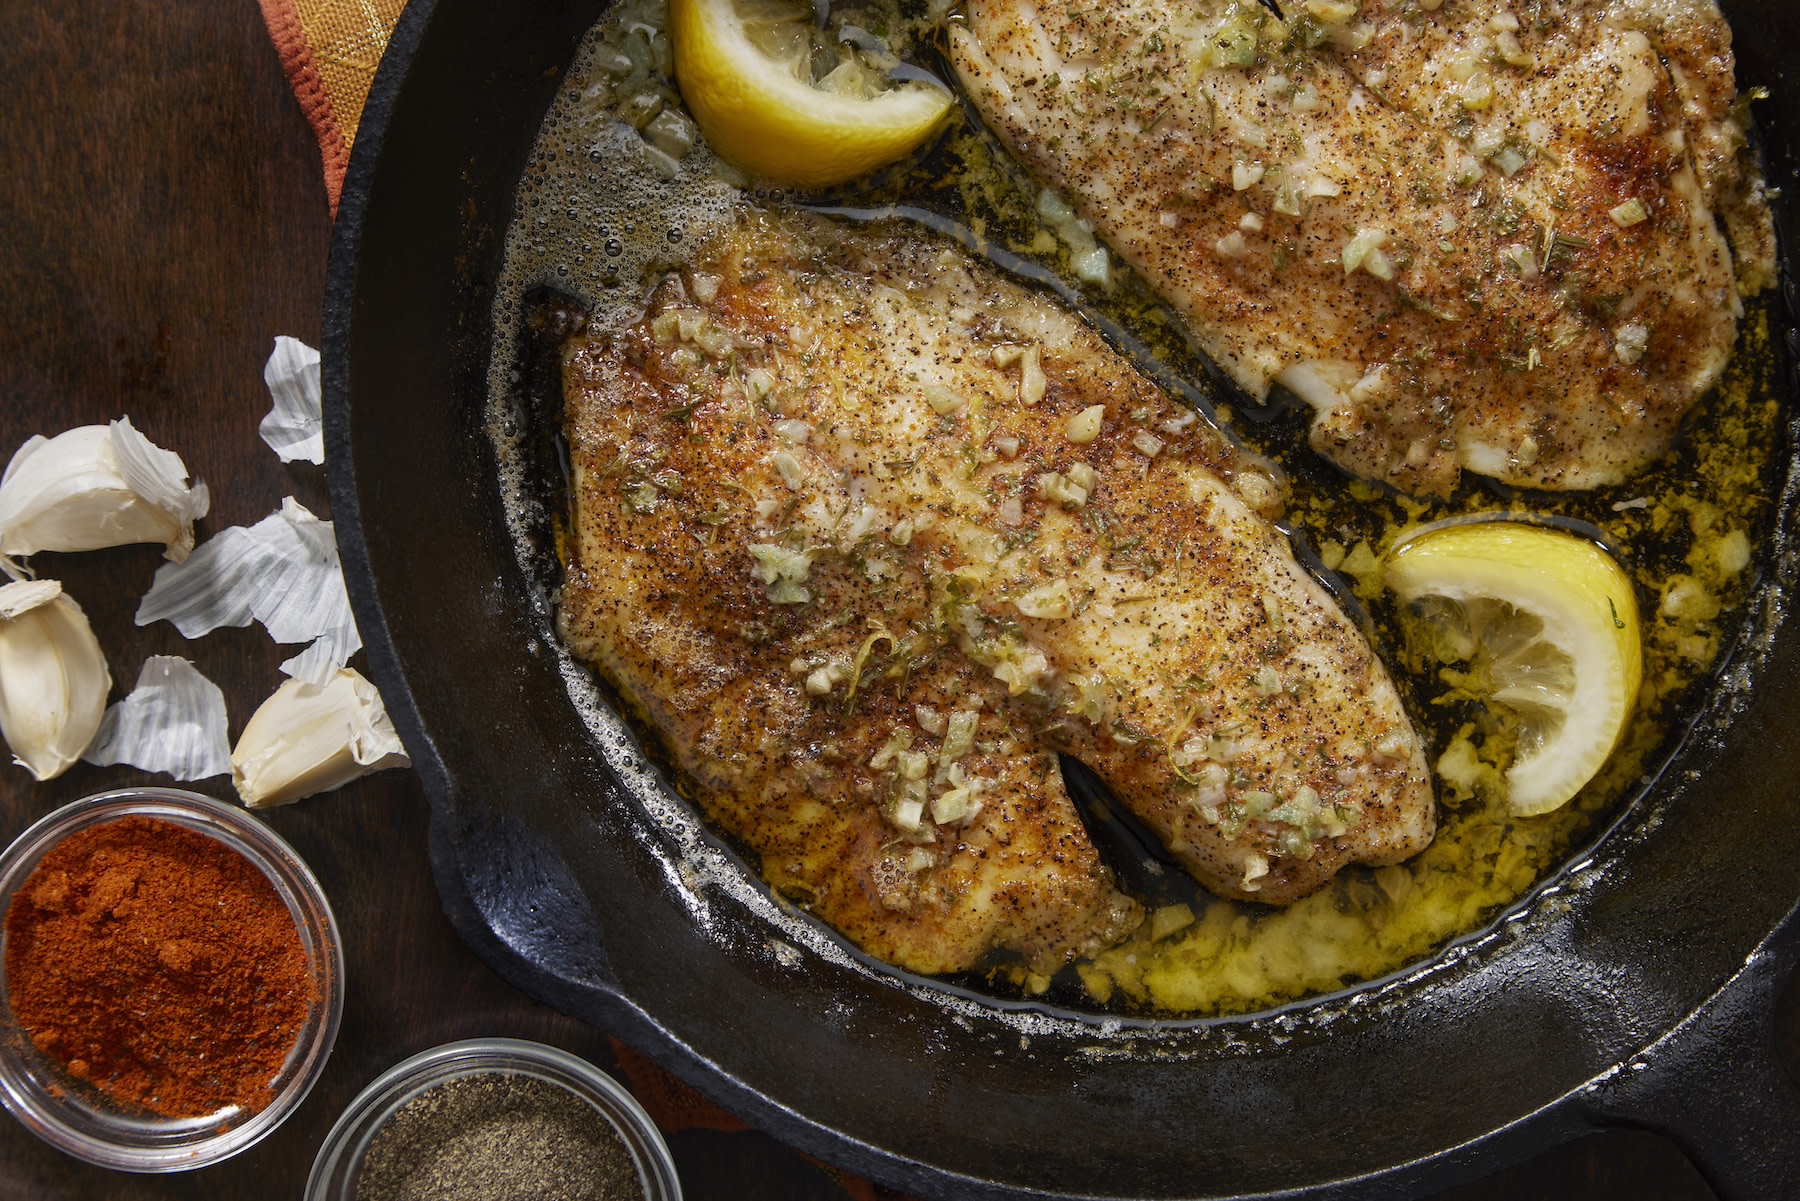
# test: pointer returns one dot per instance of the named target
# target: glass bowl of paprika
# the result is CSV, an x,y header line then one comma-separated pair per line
x,y
171,980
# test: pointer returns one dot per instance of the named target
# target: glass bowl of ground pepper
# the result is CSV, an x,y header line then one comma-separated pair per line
x,y
171,980
494,1119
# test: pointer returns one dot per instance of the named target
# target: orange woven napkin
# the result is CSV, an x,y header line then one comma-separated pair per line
x,y
330,49
673,1105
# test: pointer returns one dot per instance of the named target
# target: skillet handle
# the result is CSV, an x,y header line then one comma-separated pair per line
x,y
1716,1084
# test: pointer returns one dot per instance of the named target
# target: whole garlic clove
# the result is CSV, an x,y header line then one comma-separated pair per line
x,y
97,486
53,678
311,738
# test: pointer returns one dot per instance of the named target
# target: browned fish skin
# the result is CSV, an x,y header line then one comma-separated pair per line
x,y
1404,210
862,589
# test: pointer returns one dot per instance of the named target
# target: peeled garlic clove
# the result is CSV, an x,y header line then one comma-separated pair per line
x,y
97,486
310,738
53,678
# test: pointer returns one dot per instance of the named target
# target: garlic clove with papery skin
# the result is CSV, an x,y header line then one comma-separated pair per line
x,y
93,487
311,738
53,678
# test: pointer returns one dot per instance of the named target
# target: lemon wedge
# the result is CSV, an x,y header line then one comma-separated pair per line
x,y
745,69
1548,624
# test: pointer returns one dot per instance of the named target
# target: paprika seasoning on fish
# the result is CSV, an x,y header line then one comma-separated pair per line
x,y
160,966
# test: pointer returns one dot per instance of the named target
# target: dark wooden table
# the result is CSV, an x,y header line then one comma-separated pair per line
x,y
161,219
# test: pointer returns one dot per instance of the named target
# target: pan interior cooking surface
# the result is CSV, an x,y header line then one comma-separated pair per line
x,y
564,858
604,210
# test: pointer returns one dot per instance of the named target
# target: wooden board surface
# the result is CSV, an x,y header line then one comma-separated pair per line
x,y
161,219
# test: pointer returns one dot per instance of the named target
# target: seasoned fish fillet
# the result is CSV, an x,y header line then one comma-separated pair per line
x,y
867,533
1473,235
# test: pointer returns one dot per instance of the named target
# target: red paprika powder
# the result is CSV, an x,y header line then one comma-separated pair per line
x,y
160,966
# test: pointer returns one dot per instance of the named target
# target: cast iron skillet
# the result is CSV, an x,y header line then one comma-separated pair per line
x,y
1636,988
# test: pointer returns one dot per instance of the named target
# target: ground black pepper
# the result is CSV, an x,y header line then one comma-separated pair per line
x,y
498,1136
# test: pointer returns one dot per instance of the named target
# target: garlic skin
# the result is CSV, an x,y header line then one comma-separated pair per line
x,y
53,678
283,571
295,426
173,721
92,487
309,738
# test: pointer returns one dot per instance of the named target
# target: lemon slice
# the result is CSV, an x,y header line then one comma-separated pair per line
x,y
1549,625
745,68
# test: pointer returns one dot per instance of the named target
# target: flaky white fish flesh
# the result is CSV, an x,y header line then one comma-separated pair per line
x,y
1473,235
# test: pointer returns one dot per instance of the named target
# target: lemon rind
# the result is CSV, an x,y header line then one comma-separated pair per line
x,y
1543,571
752,111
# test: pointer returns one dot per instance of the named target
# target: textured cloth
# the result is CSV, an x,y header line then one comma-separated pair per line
x,y
330,49
673,1105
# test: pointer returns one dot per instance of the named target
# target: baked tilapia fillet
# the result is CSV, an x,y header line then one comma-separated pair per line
x,y
868,534
1472,235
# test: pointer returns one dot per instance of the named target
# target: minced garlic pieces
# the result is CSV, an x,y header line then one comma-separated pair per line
x,y
1070,489
1476,92
1394,747
1332,12
954,807
1085,426
1030,362
943,401
1021,667
53,677
1052,601
919,798
1255,868
308,739
781,572
901,740
1032,383
1233,246
1630,342
1364,252
821,680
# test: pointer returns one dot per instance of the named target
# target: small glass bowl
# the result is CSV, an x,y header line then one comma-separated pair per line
x,y
81,1121
340,1158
